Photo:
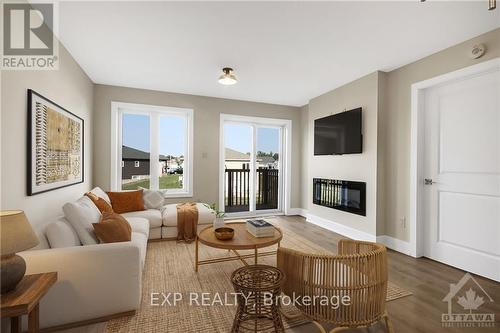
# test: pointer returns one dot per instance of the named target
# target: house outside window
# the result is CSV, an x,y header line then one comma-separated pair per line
x,y
154,148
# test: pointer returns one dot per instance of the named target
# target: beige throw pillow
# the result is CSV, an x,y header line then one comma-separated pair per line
x,y
81,214
152,199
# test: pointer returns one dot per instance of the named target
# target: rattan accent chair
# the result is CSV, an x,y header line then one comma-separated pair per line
x,y
358,271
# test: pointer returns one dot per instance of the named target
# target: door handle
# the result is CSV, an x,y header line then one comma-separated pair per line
x,y
429,181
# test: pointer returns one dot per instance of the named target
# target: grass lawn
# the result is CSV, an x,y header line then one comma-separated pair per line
x,y
166,181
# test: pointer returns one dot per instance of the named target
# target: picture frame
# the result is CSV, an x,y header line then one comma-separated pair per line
x,y
55,146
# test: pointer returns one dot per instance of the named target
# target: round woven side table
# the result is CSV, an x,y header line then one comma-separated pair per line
x,y
257,288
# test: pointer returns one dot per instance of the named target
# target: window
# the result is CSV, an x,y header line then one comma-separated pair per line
x,y
172,150
153,145
135,143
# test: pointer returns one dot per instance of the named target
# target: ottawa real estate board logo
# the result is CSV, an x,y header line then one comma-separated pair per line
x,y
465,301
28,32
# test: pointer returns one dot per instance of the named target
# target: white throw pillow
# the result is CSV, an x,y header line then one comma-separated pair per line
x,y
101,194
61,234
81,214
152,199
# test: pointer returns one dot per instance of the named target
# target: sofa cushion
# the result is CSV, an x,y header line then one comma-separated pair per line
x,y
141,241
205,215
155,233
169,232
81,214
138,224
101,194
126,201
152,215
152,199
112,228
61,234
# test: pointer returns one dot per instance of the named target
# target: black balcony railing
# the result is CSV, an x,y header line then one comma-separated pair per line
x,y
237,189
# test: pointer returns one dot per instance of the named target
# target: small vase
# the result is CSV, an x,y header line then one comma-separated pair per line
x,y
218,222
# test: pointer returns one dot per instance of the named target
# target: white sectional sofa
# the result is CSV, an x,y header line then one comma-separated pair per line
x,y
96,281
163,221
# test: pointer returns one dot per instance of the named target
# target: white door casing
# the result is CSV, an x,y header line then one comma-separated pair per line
x,y
461,155
285,162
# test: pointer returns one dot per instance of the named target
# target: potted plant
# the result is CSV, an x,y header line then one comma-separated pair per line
x,y
219,215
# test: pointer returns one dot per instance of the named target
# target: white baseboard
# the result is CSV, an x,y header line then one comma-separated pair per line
x,y
395,244
340,228
297,211
390,242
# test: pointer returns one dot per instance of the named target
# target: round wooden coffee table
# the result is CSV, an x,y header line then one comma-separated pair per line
x,y
242,240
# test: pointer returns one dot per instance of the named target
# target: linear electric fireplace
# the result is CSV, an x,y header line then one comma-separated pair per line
x,y
340,194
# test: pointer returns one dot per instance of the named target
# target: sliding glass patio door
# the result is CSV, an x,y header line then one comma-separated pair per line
x,y
252,163
237,167
267,171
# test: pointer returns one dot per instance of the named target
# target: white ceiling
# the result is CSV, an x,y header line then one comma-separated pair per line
x,y
284,53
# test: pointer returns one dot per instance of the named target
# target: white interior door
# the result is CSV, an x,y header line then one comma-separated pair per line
x,y
462,171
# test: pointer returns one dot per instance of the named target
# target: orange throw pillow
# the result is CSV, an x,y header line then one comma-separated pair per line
x,y
126,201
112,228
100,203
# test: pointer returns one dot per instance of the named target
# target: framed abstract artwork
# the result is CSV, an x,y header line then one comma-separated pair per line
x,y
55,145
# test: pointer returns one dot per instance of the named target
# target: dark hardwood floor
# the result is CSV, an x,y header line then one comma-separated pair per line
x,y
428,280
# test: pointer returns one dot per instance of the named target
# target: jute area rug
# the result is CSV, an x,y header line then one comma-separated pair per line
x,y
169,269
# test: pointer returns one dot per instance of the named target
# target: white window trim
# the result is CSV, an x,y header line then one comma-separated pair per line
x,y
285,155
137,164
117,110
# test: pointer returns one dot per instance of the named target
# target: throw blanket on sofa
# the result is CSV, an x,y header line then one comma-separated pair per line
x,y
187,221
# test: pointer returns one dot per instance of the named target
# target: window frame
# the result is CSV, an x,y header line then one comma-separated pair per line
x,y
154,112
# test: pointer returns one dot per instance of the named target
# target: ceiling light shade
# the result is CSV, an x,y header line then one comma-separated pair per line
x,y
228,77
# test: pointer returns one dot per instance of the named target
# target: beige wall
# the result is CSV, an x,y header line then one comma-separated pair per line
x,y
206,133
397,140
72,89
357,167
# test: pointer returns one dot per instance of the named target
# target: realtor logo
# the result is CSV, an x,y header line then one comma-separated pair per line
x,y
464,301
28,36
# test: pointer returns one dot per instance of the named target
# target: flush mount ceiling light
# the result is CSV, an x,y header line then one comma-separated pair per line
x,y
228,77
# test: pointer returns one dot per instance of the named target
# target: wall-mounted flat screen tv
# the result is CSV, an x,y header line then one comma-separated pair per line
x,y
339,134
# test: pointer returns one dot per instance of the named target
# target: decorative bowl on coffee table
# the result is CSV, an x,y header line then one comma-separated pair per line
x,y
224,233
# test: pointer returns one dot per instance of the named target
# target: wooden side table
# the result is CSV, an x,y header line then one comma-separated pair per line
x,y
24,300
